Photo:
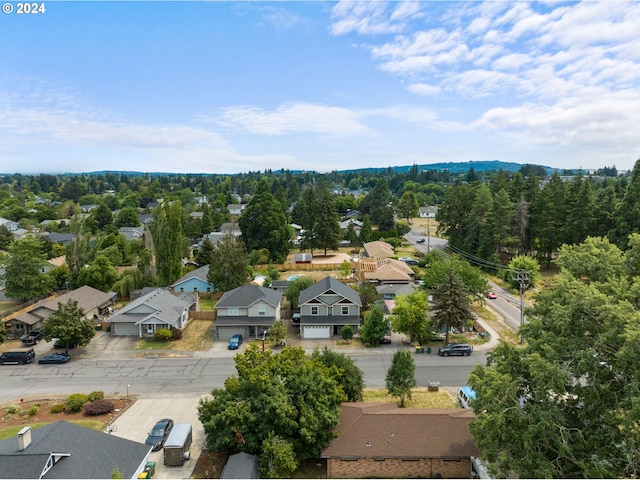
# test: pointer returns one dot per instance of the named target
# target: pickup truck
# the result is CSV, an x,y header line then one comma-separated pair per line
x,y
31,338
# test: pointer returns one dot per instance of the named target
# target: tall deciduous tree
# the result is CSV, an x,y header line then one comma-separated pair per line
x,y
348,374
264,224
408,205
229,264
292,293
167,240
400,378
69,325
410,316
100,274
23,278
287,395
565,405
375,326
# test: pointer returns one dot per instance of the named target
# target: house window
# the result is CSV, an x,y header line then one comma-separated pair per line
x,y
195,289
262,311
233,312
345,310
182,289
208,289
314,310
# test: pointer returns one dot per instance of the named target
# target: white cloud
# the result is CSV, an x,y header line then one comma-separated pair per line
x,y
424,89
295,118
366,17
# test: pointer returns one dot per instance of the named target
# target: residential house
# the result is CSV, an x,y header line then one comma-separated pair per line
x,y
132,233
389,291
235,208
66,450
326,307
93,302
382,271
88,207
61,238
10,224
197,215
377,249
21,233
225,229
194,281
248,310
53,263
383,441
145,218
157,309
428,212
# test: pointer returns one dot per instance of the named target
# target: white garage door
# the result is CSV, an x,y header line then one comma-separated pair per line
x,y
316,332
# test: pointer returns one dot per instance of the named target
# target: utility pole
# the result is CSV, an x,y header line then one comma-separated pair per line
x,y
522,277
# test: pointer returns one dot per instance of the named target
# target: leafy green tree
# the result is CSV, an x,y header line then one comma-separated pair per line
x,y
127,217
167,240
346,332
351,235
400,378
344,369
550,214
565,404
286,395
100,274
69,325
292,293
375,326
278,459
103,215
439,267
408,206
264,224
451,304
380,208
596,259
23,278
368,295
3,335
6,237
627,212
229,264
277,331
528,266
410,316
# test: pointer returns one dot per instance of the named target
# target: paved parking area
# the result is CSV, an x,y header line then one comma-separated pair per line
x,y
138,420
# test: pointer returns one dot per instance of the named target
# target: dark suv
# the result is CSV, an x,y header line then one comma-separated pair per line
x,y
463,349
31,338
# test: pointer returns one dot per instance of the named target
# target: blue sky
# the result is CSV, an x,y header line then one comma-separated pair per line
x,y
228,87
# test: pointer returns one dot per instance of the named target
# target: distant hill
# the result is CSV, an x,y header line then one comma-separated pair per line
x,y
458,167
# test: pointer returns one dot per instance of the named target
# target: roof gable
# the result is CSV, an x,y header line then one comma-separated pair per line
x,y
249,294
329,284
199,274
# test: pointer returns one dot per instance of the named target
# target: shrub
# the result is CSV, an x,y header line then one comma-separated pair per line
x,y
95,395
13,409
346,332
57,408
99,407
176,333
162,335
75,401
33,410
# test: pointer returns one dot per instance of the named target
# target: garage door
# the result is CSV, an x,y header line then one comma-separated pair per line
x,y
316,332
224,334
125,329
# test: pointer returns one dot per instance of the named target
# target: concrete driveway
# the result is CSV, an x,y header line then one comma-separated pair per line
x,y
137,421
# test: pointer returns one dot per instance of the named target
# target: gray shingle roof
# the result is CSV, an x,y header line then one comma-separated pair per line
x,y
329,284
249,294
199,273
159,303
91,454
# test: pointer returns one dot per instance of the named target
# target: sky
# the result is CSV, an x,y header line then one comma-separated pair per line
x,y
236,86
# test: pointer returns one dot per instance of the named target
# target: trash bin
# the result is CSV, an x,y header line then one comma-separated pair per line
x,y
109,328
417,348
421,349
151,468
98,326
144,474
428,349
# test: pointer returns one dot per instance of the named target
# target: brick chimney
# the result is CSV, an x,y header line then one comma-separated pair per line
x,y
24,438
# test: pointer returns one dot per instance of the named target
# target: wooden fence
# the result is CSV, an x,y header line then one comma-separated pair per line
x,y
203,315
285,267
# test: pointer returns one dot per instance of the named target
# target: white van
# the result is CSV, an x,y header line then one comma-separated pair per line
x,y
466,394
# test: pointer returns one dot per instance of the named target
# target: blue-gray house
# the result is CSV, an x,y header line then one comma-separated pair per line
x,y
194,281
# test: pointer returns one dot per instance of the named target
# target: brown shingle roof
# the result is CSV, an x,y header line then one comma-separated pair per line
x,y
378,249
383,430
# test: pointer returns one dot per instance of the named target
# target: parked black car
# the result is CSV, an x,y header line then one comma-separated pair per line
x,y
159,434
31,338
463,349
420,240
56,358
